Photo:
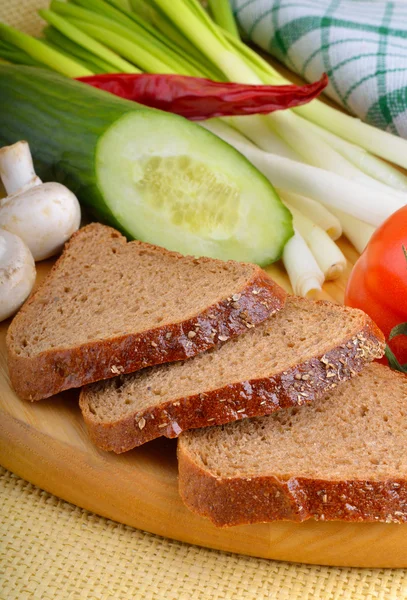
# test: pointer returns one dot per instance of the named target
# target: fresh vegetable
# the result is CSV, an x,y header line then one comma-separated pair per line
x,y
316,212
43,215
17,273
41,53
64,44
17,169
131,37
363,160
349,130
368,204
12,54
312,151
197,99
155,22
195,24
330,259
202,99
378,281
157,176
358,232
305,275
87,43
113,39
222,14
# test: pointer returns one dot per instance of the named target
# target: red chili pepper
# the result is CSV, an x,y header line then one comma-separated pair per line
x,y
196,98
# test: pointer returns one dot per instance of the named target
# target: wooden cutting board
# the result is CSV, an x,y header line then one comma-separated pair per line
x,y
47,444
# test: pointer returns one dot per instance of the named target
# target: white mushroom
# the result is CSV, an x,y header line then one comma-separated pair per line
x,y
17,273
43,215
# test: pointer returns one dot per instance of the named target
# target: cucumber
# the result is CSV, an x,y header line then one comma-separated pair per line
x,y
155,176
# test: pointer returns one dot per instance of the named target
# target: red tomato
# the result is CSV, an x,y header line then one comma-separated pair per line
x,y
378,281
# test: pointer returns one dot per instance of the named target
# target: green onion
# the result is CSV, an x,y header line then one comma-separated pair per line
x,y
256,129
16,55
79,37
222,15
358,232
42,53
366,162
345,127
329,257
159,26
315,211
88,64
100,7
207,37
314,149
124,47
65,44
367,204
195,23
171,36
260,66
116,22
383,144
163,26
376,141
306,277
189,16
313,154
124,4
134,22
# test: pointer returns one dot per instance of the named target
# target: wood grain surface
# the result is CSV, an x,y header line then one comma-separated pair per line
x,y
46,443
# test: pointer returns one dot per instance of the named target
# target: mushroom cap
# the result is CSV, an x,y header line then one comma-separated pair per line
x,y
44,216
17,273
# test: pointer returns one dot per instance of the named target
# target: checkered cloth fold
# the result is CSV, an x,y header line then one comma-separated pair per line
x,y
360,44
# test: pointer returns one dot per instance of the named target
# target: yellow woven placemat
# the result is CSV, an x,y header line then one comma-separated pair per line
x,y
23,14
52,550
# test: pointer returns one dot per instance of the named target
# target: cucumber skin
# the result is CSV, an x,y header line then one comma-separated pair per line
x,y
63,121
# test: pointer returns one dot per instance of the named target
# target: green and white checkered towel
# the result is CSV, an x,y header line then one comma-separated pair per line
x,y
360,44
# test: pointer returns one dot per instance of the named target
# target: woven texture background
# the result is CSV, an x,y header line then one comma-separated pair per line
x,y
22,14
52,550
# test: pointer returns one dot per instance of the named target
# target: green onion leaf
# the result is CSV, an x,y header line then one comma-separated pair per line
x,y
42,53
76,35
222,15
65,44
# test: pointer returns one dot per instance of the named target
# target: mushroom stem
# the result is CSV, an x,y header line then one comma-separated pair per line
x,y
17,169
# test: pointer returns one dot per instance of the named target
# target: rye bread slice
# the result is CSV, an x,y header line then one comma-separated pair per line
x,y
341,458
111,307
290,359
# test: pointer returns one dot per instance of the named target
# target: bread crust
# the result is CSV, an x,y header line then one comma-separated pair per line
x,y
236,401
53,371
262,499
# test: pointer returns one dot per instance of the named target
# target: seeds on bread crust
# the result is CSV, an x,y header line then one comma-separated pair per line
x,y
165,307
341,458
278,364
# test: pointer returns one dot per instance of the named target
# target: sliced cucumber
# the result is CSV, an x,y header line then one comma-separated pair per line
x,y
178,187
156,176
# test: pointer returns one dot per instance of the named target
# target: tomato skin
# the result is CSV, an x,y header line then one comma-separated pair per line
x,y
378,281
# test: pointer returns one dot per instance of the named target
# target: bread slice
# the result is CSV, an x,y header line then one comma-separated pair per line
x,y
110,307
290,359
342,458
